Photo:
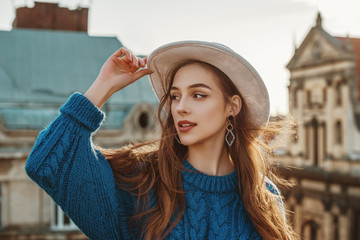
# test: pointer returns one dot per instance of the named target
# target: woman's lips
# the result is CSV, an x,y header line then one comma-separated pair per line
x,y
185,126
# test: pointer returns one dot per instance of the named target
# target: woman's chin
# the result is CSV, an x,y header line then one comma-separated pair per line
x,y
189,142
185,143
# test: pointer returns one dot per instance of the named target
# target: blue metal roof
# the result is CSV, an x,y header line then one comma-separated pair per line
x,y
40,69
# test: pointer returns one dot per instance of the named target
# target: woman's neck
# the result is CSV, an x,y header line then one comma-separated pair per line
x,y
210,158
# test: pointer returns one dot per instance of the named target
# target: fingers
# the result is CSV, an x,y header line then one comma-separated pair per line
x,y
123,51
133,61
129,57
139,62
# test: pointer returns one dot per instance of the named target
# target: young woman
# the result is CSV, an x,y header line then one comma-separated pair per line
x,y
206,178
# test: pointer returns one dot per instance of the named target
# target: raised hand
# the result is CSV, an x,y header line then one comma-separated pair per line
x,y
119,70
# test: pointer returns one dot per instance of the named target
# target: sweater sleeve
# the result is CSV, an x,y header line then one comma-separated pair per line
x,y
77,176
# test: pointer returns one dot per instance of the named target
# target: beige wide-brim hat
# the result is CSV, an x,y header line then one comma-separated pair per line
x,y
244,76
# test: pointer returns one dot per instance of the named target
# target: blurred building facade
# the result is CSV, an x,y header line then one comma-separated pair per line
x,y
324,97
39,70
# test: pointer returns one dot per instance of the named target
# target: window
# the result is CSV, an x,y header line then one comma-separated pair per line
x,y
338,132
307,142
317,97
295,98
316,51
336,227
315,140
59,220
295,134
338,94
308,97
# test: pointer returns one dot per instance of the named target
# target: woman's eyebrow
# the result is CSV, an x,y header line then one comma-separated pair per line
x,y
196,85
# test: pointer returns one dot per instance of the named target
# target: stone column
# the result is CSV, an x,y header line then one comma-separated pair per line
x,y
344,227
328,226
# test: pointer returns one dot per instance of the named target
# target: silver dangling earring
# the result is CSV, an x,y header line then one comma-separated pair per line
x,y
177,138
229,133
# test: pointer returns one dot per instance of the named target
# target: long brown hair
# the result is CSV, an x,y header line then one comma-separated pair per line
x,y
158,167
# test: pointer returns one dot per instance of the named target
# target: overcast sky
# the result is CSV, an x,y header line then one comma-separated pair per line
x,y
262,31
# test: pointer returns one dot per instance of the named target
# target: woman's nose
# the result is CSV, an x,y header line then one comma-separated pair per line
x,y
182,107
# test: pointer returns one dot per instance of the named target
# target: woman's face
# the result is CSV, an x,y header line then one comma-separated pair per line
x,y
198,107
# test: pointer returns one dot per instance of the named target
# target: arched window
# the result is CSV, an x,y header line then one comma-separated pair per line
x,y
338,132
144,120
338,94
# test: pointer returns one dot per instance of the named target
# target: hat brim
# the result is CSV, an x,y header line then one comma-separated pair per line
x,y
243,75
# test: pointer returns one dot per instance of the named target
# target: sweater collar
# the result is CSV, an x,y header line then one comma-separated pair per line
x,y
207,182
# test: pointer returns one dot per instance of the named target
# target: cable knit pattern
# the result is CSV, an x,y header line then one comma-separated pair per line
x,y
79,179
214,209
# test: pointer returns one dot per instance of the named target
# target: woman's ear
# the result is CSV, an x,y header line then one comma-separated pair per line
x,y
235,105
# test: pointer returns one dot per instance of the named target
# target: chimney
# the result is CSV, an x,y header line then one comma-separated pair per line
x,y
51,16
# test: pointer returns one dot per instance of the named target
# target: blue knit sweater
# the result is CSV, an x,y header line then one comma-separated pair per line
x,y
68,167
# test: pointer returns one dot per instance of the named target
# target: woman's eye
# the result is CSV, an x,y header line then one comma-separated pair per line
x,y
174,97
198,95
